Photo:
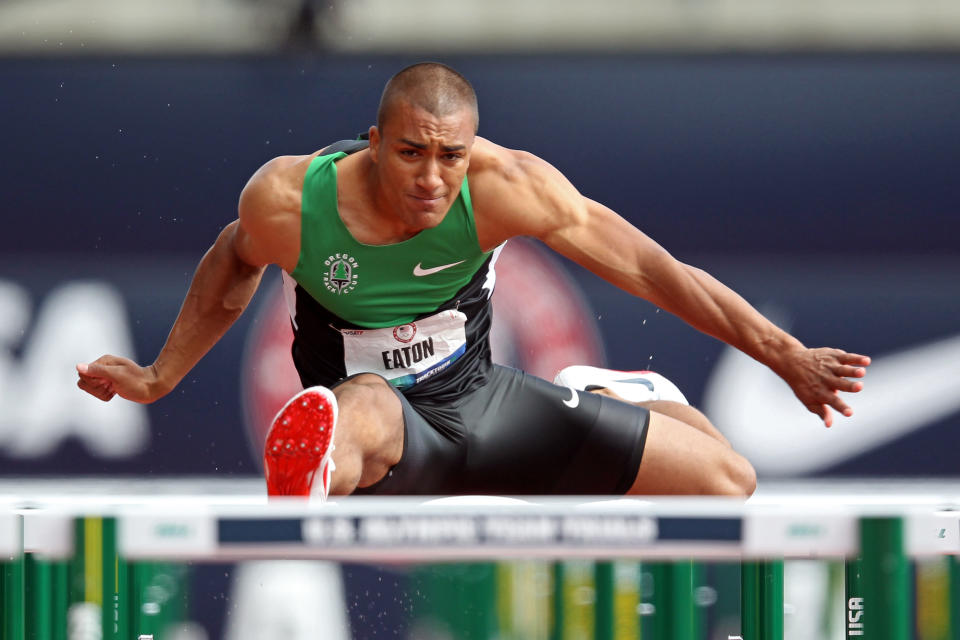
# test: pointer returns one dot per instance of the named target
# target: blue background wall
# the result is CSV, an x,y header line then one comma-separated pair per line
x,y
824,187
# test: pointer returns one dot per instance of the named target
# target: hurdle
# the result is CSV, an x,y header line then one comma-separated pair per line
x,y
11,575
41,547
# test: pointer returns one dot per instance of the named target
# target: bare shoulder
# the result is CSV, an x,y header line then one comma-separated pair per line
x,y
492,163
269,212
275,187
517,193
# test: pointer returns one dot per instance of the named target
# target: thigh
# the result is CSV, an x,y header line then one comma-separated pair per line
x,y
526,436
685,413
432,455
681,460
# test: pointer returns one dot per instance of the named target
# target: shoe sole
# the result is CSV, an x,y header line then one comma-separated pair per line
x,y
587,378
299,444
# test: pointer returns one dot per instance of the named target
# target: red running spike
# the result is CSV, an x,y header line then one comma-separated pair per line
x,y
300,443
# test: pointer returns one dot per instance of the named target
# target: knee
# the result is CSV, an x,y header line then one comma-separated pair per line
x,y
739,478
369,428
348,473
366,392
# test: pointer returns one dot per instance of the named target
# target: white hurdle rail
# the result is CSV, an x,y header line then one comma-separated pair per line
x,y
410,530
758,534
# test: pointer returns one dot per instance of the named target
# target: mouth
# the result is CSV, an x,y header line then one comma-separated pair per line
x,y
428,199
428,204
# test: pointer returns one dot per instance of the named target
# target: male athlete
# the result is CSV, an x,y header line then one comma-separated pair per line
x,y
388,251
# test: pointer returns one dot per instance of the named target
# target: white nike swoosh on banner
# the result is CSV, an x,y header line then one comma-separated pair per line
x,y
420,271
574,400
764,421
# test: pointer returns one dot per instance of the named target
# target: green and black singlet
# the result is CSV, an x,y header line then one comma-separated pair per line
x,y
416,312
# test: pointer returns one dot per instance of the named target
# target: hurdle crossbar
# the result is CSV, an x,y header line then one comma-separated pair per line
x,y
408,530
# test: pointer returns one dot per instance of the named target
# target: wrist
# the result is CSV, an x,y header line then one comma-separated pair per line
x,y
157,383
778,351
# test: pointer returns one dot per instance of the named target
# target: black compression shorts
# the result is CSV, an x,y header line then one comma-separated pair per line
x,y
518,435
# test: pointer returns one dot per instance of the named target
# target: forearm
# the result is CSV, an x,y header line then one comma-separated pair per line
x,y
715,309
221,289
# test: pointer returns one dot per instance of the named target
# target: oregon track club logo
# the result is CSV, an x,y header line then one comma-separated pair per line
x,y
341,275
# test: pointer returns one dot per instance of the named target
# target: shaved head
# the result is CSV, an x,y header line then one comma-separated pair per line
x,y
431,86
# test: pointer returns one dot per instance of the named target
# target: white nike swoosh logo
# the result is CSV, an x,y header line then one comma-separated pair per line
x,y
764,421
574,400
420,271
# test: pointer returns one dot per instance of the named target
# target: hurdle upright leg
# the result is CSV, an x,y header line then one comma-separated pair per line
x,y
675,613
12,586
603,617
45,597
761,600
116,590
617,599
878,589
574,600
853,600
157,596
954,597
11,577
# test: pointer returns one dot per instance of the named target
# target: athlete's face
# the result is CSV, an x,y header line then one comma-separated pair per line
x,y
421,160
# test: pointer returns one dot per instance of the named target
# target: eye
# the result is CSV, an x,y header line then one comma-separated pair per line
x,y
452,156
409,153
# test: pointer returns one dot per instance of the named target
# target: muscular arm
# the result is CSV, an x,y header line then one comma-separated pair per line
x,y
223,285
527,196
606,244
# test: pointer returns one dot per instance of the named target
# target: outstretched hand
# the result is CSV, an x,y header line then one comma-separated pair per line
x,y
108,376
817,375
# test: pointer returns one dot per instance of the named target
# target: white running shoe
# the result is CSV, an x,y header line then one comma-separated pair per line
x,y
299,444
632,386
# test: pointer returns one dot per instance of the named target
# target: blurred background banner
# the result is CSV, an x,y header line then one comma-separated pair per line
x,y
804,153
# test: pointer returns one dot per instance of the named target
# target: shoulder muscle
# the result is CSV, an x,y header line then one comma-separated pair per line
x,y
269,212
517,193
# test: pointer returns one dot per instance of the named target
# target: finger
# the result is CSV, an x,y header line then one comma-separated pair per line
x,y
91,378
853,359
89,371
849,371
837,403
827,416
845,384
93,390
106,387
101,393
102,361
83,370
822,411
101,370
95,383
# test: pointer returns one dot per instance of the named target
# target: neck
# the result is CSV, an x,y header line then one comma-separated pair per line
x,y
384,223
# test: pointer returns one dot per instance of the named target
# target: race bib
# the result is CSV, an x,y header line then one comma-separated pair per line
x,y
409,353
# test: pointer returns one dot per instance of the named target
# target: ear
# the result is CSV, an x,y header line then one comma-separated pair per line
x,y
374,134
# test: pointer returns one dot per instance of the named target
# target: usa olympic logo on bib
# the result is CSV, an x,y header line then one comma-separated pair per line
x,y
405,332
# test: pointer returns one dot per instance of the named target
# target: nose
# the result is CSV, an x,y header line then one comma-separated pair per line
x,y
429,180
